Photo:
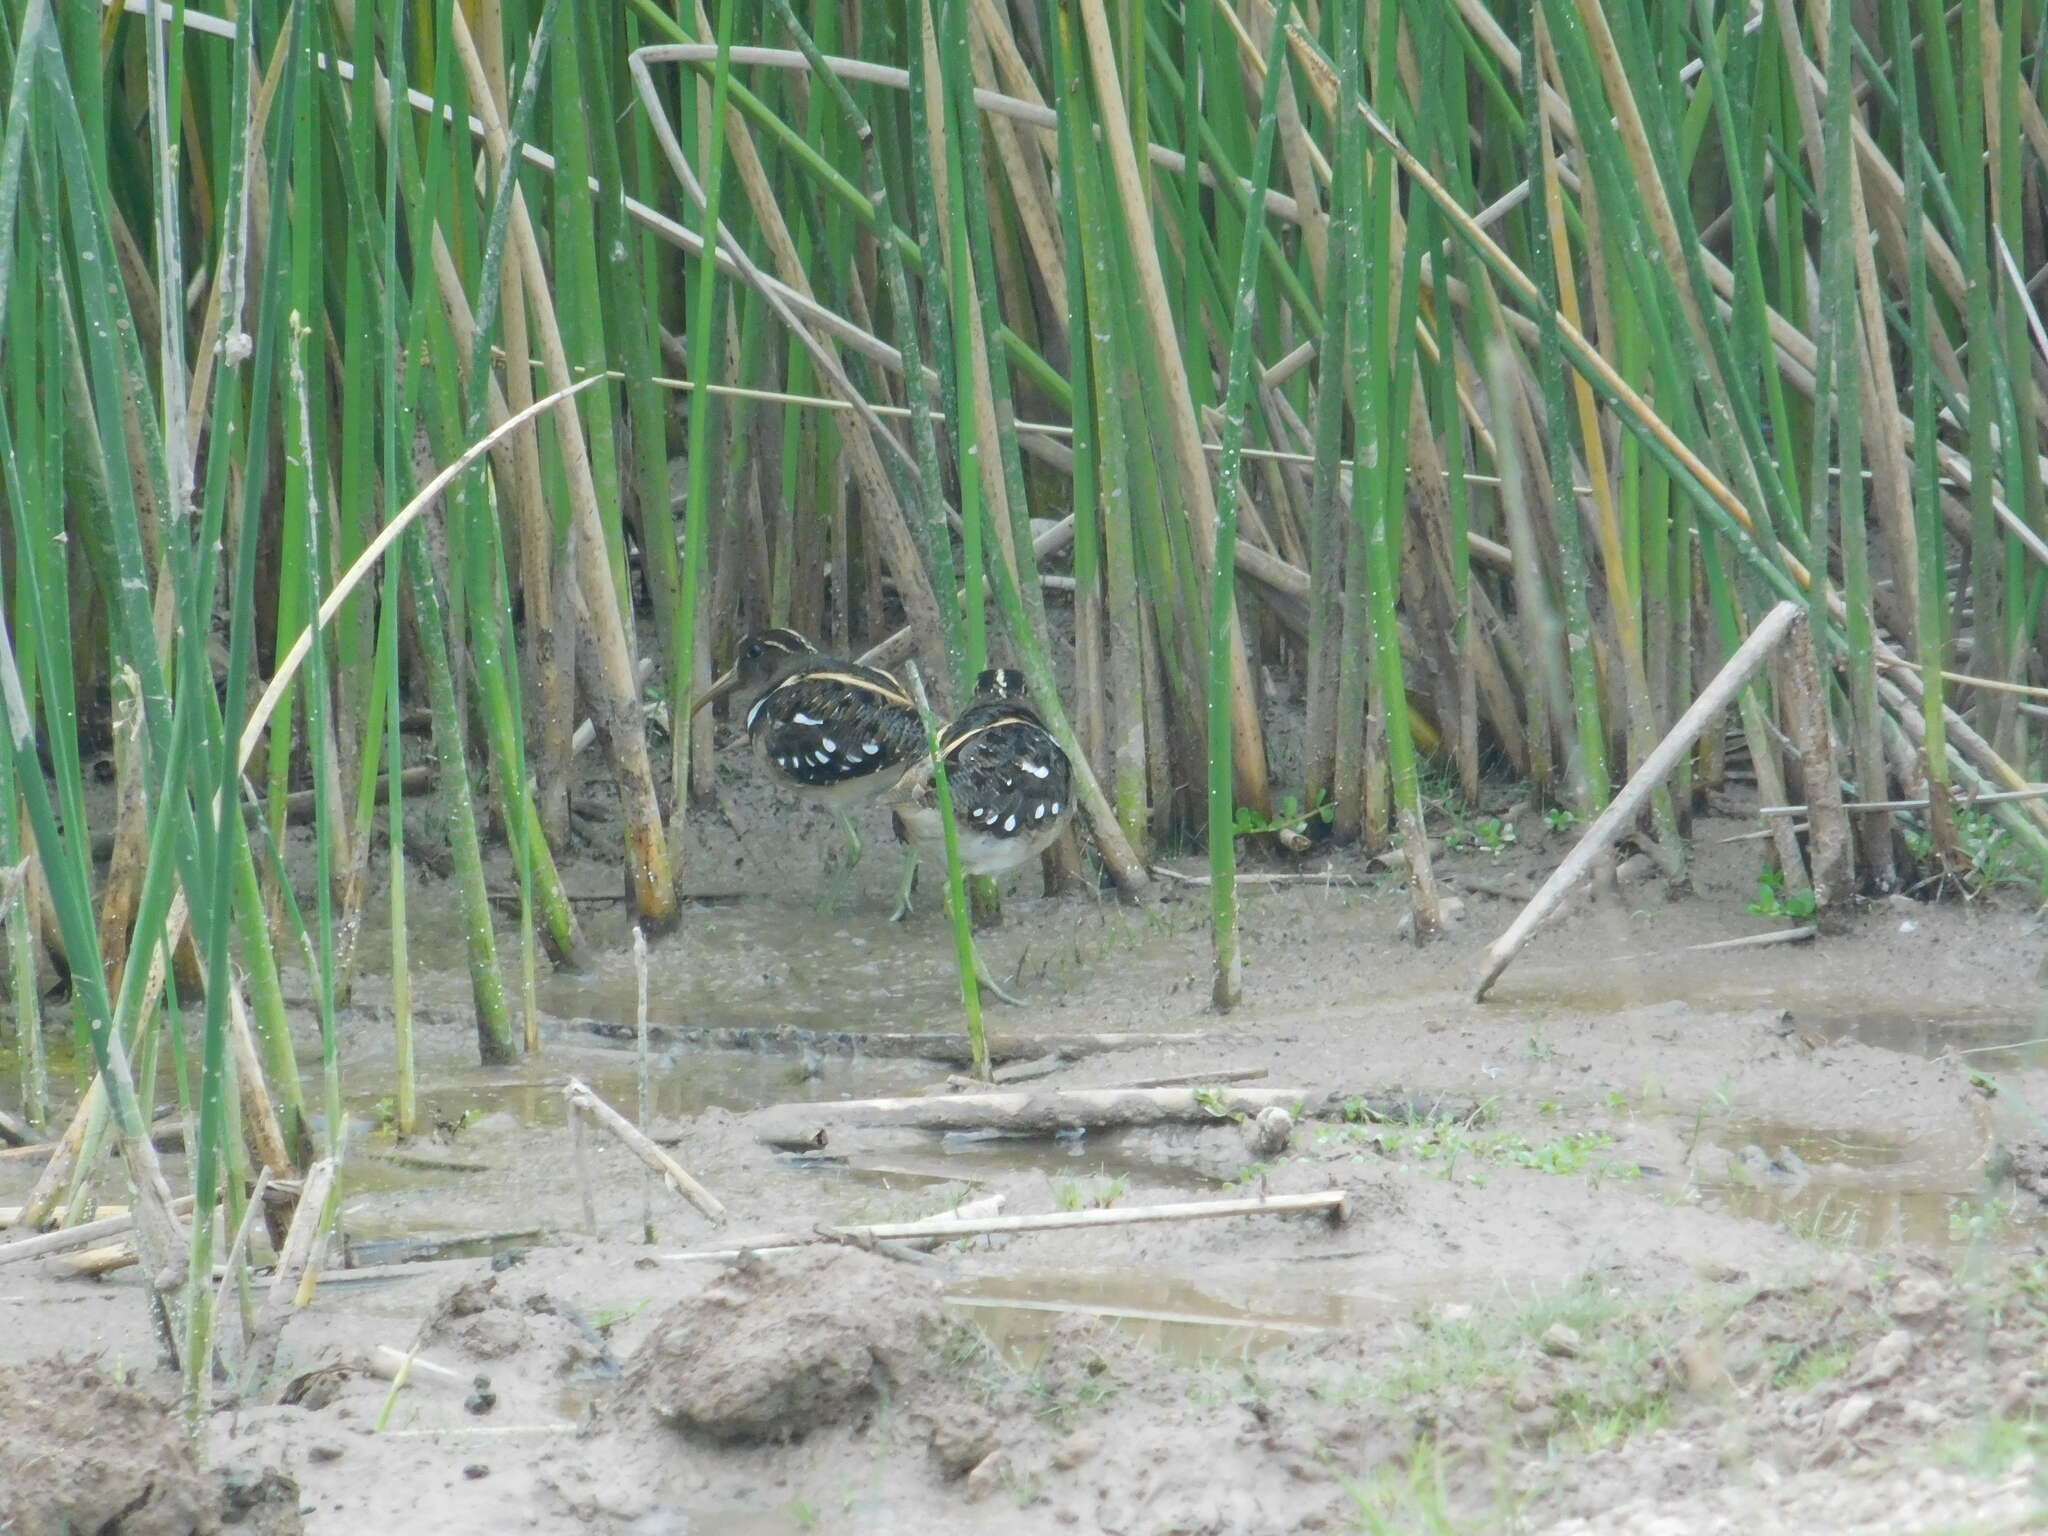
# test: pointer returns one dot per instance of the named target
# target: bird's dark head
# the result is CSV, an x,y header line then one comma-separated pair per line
x,y
1000,683
761,657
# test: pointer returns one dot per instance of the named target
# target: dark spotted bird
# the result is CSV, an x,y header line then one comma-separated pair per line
x,y
1012,786
836,732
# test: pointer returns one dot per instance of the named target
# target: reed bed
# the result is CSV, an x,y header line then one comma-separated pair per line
x,y
1331,408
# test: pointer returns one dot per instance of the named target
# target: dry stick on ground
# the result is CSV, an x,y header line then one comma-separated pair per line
x,y
1200,1079
1621,812
889,1044
295,1262
386,1363
83,1236
1051,1110
582,1099
1329,1203
910,1237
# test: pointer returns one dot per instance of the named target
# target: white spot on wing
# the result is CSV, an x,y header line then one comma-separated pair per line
x,y
1036,770
1009,823
803,719
871,748
827,742
1039,814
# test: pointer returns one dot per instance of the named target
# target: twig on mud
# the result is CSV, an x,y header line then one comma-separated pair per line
x,y
1050,1110
1329,1203
397,1365
1200,1079
1327,875
83,1236
1963,802
1747,941
582,1098
952,1049
1622,810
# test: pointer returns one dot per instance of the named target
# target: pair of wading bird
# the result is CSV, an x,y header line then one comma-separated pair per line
x,y
844,735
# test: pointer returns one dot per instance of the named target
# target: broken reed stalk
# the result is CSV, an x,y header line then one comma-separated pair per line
x,y
1331,1204
1621,813
582,1099
1043,1112
788,1242
297,1263
895,1045
83,1236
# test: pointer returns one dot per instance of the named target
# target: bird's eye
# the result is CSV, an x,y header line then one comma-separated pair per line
x,y
753,649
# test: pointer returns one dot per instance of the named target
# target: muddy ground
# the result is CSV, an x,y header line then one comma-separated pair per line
x,y
1739,1241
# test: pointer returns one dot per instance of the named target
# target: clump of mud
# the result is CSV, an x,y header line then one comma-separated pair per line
x,y
496,1316
87,1449
784,1344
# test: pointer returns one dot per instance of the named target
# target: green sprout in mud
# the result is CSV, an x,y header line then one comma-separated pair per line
x,y
1977,1221
1491,834
1986,846
1772,899
1717,1102
1076,1195
1446,1143
1558,819
1248,822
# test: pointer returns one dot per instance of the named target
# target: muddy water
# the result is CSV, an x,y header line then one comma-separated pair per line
x,y
781,967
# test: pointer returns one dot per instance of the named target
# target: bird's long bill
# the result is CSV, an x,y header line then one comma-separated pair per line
x,y
717,690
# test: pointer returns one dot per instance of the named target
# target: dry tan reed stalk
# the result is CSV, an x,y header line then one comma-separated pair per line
x,y
297,1266
584,1100
1329,1204
1621,812
83,1236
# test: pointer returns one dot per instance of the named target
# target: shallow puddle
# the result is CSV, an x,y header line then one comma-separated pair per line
x,y
1850,1191
1172,1314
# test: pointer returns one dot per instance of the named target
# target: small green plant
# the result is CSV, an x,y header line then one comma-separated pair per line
x,y
1490,834
1247,822
1772,900
1986,847
1077,1195
1977,1220
1558,819
604,1319
1444,1143
1802,1366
